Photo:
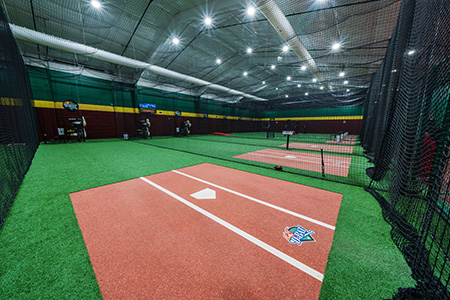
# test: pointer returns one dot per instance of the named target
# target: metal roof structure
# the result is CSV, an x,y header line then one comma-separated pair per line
x,y
300,50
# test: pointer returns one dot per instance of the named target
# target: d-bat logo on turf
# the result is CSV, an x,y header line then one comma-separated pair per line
x,y
298,234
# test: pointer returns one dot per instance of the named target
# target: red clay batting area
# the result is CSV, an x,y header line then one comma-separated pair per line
x,y
207,232
334,165
329,148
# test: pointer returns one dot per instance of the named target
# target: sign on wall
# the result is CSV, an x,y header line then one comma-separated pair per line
x,y
147,108
70,105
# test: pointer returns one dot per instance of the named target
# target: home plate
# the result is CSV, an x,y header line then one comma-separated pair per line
x,y
290,156
204,194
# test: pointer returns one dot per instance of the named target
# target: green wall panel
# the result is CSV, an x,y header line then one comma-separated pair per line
x,y
60,86
321,112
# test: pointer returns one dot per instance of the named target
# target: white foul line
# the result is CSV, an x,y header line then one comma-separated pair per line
x,y
261,202
292,261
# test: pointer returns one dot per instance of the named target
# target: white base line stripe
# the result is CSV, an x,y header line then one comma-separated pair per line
x,y
308,270
261,202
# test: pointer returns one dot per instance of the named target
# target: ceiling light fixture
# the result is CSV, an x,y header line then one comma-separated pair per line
x,y
276,89
245,73
96,4
208,21
314,79
251,11
176,41
218,61
336,46
287,96
306,94
346,82
285,48
273,67
321,87
303,68
249,50
348,90
288,78
299,85
342,74
411,52
263,82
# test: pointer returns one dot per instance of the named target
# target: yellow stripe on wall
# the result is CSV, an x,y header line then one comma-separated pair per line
x,y
316,118
131,110
92,107
11,101
45,104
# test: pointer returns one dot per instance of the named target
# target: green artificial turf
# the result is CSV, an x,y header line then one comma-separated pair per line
x,y
43,255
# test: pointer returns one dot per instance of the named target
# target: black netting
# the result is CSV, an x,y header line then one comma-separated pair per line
x,y
18,134
406,133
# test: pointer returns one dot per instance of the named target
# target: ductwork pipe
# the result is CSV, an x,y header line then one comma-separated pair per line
x,y
281,24
26,34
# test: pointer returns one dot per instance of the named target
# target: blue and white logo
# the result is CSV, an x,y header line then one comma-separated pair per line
x,y
298,234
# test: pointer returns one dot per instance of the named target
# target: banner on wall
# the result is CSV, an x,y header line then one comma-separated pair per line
x,y
147,108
